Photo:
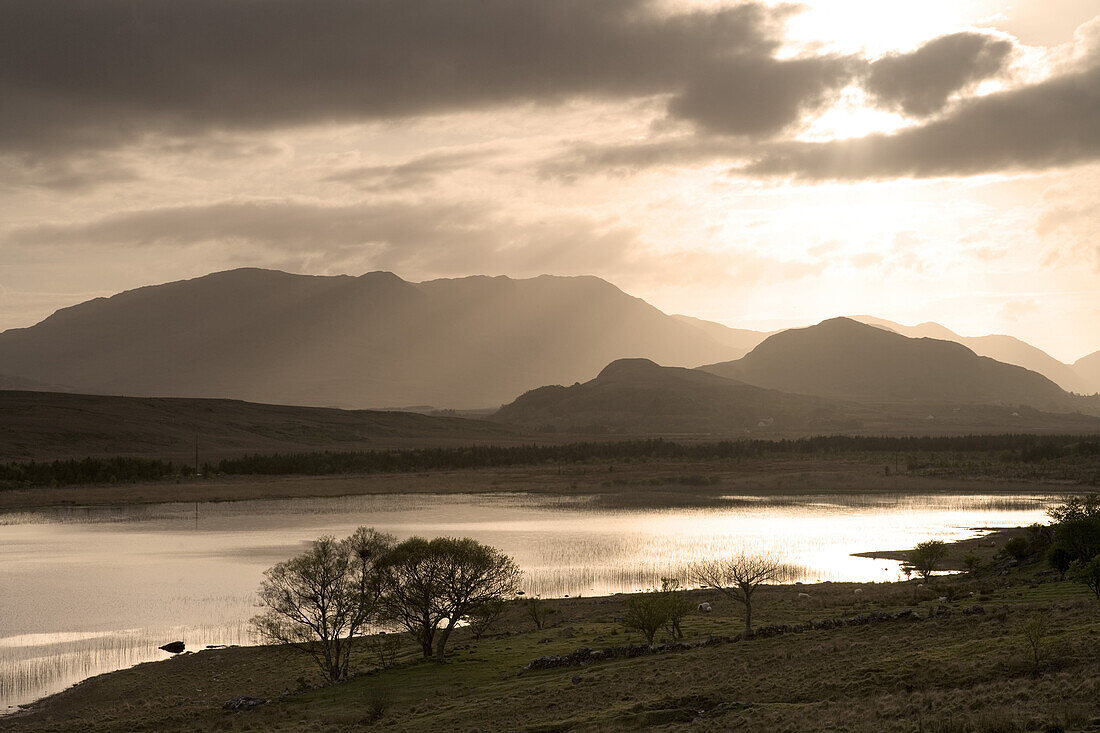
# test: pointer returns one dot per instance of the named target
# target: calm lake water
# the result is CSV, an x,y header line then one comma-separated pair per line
x,y
90,590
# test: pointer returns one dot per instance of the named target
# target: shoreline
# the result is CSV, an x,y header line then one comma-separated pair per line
x,y
650,483
990,537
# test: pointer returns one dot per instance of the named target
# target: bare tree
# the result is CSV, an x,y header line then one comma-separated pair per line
x,y
321,600
432,586
738,577
538,610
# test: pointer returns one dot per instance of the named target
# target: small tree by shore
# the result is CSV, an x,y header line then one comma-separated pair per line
x,y
678,605
926,557
321,600
647,613
430,586
738,577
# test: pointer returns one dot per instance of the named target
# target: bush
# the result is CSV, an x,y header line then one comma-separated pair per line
x,y
926,557
1087,573
538,611
1060,559
647,613
1017,548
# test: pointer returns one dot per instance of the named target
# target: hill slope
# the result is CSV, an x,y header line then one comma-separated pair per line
x,y
369,341
637,396
1088,368
48,426
1007,349
841,358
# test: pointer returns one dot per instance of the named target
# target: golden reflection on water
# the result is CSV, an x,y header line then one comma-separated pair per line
x,y
89,590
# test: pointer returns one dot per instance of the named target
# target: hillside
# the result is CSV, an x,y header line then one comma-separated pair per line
x,y
637,396
353,342
742,340
47,426
1088,367
1007,349
841,358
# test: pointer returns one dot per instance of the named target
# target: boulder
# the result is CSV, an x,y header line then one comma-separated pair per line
x,y
173,647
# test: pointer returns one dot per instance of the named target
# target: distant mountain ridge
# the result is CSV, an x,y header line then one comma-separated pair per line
x,y
636,397
352,342
1009,349
841,358
377,341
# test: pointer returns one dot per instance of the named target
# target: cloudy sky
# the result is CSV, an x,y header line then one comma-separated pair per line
x,y
762,164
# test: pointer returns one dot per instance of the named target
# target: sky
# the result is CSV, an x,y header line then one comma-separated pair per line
x,y
763,164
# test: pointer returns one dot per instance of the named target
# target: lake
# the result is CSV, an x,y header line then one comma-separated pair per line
x,y
90,590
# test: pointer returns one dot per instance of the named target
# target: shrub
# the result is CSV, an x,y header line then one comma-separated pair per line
x,y
1017,549
646,612
1060,559
926,557
1034,632
538,611
1087,573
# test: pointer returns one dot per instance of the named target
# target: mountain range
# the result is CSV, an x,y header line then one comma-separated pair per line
x,y
352,342
379,341
838,376
844,359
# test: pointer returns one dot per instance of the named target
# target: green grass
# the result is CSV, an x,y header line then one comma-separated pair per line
x,y
963,672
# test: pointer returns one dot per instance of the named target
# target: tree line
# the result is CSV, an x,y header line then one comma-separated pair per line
x,y
1012,447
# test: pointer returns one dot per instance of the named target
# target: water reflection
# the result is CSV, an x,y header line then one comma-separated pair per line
x,y
87,590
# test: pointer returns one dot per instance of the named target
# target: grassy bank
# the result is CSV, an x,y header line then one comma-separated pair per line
x,y
954,668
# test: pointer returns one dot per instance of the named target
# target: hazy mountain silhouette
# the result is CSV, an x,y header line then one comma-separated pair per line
x,y
842,358
369,341
47,426
742,340
1088,369
1008,349
638,396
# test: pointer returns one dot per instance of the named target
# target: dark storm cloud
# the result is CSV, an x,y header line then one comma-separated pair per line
x,y
920,83
758,95
1051,123
96,73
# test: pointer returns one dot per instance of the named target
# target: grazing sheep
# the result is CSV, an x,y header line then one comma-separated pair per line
x,y
803,595
704,607
859,591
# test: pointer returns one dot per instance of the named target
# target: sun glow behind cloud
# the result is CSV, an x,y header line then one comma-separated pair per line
x,y
674,222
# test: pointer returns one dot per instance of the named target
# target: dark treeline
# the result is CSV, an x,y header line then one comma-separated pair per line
x,y
1018,448
117,469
